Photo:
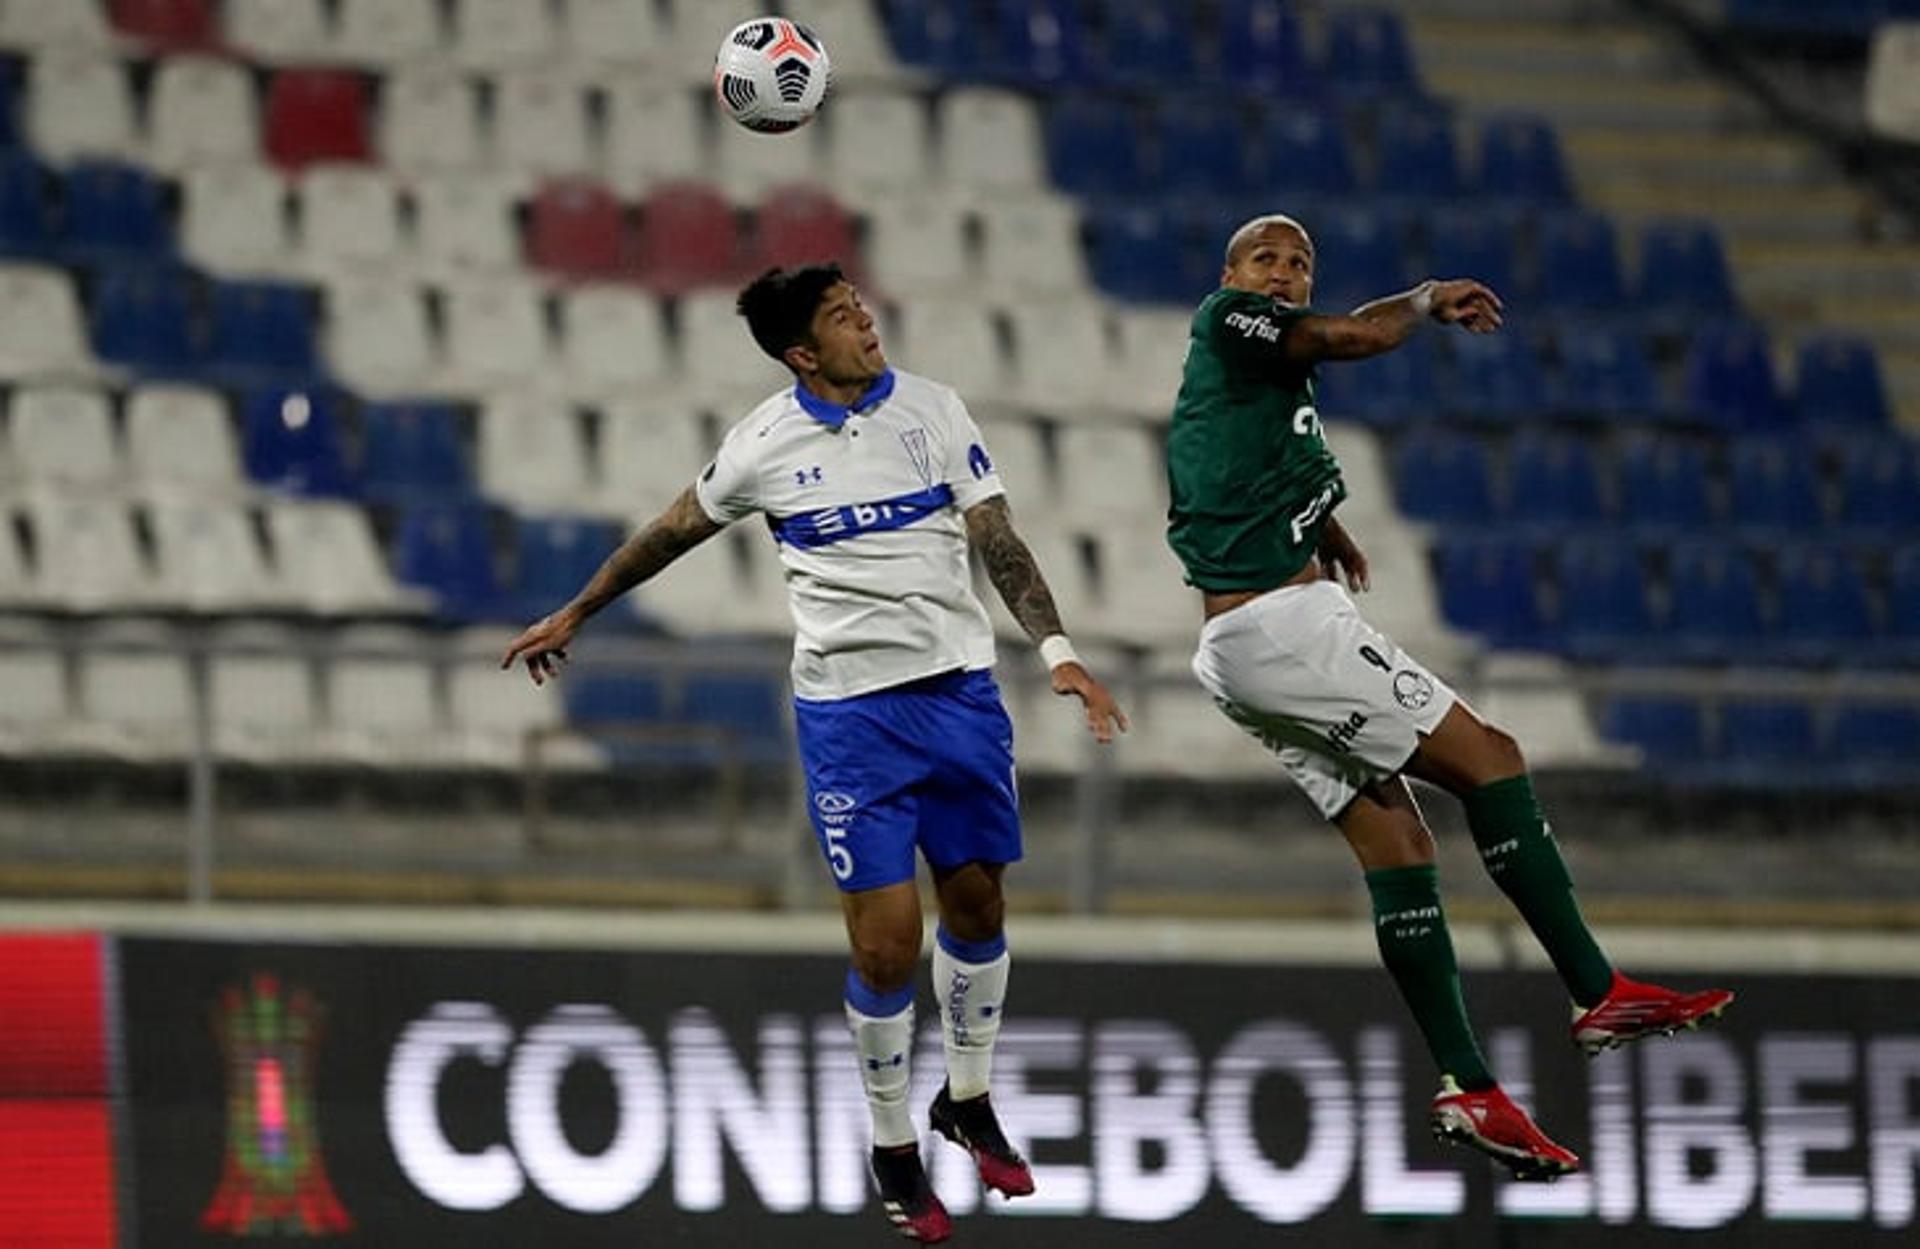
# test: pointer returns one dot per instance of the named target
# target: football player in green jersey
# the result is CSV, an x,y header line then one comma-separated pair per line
x,y
1287,656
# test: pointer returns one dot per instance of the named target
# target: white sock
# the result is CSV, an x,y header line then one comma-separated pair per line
x,y
970,988
882,1044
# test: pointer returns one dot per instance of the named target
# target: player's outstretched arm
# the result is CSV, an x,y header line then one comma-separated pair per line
x,y
683,526
1378,327
1011,568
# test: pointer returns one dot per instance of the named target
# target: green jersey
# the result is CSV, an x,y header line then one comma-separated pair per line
x,y
1253,482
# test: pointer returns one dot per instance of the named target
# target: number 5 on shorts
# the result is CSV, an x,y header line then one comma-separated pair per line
x,y
839,858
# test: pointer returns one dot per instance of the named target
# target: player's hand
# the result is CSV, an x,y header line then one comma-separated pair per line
x,y
1467,304
1341,556
1102,712
544,646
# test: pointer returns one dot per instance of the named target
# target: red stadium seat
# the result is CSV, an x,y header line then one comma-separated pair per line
x,y
316,115
577,231
172,24
800,225
689,238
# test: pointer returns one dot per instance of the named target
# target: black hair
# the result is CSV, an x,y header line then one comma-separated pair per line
x,y
780,303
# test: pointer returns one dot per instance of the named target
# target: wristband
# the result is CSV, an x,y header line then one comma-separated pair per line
x,y
1055,650
1421,300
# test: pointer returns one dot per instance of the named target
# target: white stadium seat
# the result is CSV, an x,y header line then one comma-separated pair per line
x,y
389,32
493,711
877,141
649,453
1110,474
1531,697
1178,732
62,437
853,33
40,324
654,133
1061,347
1143,596
35,715
88,556
202,111
279,31
719,360
383,711
327,552
429,120
18,585
181,440
1019,454
493,34
1893,81
463,225
613,343
235,220
918,245
65,24
138,706
989,141
731,583
350,219
496,336
1143,375
747,164
79,104
696,29
540,123
955,343
531,454
210,559
377,337
263,707
615,32
1032,248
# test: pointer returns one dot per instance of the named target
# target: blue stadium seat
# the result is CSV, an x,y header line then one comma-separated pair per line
x,y
1139,254
26,222
1203,148
448,549
613,698
1487,587
1792,18
1473,243
1093,147
1606,373
1837,382
1496,377
291,441
9,112
1604,615
1824,613
1148,43
1552,481
1358,255
1663,485
1668,731
413,453
1715,610
1389,390
1261,49
1683,269
1880,484
1766,744
1730,380
114,211
934,34
1418,159
1443,477
1579,263
263,330
1303,151
1042,43
554,556
1903,605
1368,53
1874,743
1520,160
748,707
1772,486
143,318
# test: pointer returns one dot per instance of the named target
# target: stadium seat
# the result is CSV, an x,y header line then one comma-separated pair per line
x,y
750,709
412,452
1603,613
1765,743
747,165
350,218
1019,453
576,230
1260,48
1030,247
932,35
613,342
553,557
291,441
1388,391
448,550
803,225
1520,160
382,712
959,344
1302,151
1417,155
1444,478
1148,44
315,115
648,454
114,212
263,331
210,559
1772,487
26,218
696,29
201,111
918,246
1730,380
1552,481
540,123
1880,485
428,119
1358,255
1715,610
1111,474
1663,486
1607,373
388,32
1487,587
31,25
79,104
990,139
1892,103
531,454
89,556
327,552
613,32
1903,597
651,134
493,718
377,336
1824,614
689,238
1837,382
463,226
264,710
498,34
62,437
1496,378
1143,378
1202,149
719,361
1043,43
1367,52
144,319
1094,148
876,142
1667,731
1139,255
279,31
1579,267
1874,743
167,25
235,220
860,50
1473,243
181,440
496,335
35,711
1060,352
1683,269
39,324
138,705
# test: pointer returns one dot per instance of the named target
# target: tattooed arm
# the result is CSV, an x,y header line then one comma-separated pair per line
x,y
1011,568
683,526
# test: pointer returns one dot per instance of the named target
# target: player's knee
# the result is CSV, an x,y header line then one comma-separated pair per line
x,y
977,918
886,958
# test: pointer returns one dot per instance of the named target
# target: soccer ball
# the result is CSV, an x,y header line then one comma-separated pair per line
x,y
771,74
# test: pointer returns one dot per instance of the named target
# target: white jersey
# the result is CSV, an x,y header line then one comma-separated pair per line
x,y
865,504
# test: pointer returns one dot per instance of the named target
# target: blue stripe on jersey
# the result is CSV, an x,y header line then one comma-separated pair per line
x,y
837,524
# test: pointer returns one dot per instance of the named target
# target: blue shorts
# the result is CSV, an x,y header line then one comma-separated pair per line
x,y
927,764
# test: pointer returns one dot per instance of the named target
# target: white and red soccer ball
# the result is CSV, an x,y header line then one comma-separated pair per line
x,y
771,74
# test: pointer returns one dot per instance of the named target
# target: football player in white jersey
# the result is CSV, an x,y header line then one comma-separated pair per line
x,y
875,483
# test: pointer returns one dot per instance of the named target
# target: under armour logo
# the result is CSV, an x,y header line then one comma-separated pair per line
x,y
898,1060
804,476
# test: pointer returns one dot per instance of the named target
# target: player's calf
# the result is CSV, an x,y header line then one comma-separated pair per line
x,y
1633,1009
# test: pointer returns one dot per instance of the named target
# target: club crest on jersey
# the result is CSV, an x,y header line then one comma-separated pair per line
x,y
916,444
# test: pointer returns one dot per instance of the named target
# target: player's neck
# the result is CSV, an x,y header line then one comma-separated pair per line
x,y
842,394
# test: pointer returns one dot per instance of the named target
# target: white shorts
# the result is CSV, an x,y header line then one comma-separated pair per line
x,y
1340,704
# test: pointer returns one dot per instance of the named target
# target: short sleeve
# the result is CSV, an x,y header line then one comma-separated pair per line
x,y
729,487
970,472
1250,331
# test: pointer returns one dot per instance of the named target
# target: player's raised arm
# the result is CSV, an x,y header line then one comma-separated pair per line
x,y
683,526
1378,327
1015,574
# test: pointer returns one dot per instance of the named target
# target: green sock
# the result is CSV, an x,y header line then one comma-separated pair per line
x,y
1518,849
1418,951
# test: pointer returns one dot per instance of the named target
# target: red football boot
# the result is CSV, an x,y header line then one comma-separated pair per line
x,y
1632,1010
1487,1120
971,1125
908,1197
